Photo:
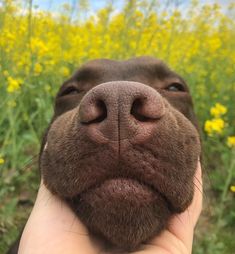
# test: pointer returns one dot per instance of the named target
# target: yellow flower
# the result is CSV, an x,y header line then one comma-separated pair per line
x,y
13,85
2,161
38,47
218,110
232,188
214,43
231,141
214,126
37,68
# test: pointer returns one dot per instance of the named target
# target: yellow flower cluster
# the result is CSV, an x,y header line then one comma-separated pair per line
x,y
218,110
231,141
216,125
13,84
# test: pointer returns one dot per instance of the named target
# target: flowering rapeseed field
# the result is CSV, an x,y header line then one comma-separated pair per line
x,y
39,49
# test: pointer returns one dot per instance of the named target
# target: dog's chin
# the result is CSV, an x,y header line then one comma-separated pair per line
x,y
124,211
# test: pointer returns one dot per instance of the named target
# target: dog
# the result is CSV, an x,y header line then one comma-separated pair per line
x,y
122,148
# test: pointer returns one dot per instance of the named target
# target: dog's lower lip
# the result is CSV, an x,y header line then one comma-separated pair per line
x,y
126,186
142,186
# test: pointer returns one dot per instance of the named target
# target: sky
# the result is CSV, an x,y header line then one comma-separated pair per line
x,y
54,4
97,4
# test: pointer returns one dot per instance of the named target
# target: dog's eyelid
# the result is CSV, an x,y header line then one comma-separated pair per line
x,y
70,90
176,87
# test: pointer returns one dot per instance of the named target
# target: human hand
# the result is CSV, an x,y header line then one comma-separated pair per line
x,y
54,228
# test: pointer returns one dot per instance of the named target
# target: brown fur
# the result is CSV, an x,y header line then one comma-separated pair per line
x,y
122,148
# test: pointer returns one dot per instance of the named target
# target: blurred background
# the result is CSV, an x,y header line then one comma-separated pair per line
x,y
43,42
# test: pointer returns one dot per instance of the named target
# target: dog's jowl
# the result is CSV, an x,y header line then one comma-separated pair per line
x,y
122,148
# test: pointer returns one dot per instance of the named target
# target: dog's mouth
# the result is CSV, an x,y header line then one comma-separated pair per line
x,y
122,190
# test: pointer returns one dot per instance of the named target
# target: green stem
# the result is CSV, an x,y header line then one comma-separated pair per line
x,y
225,190
12,122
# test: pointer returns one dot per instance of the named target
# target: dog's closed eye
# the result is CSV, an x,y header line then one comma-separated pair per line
x,y
70,90
175,87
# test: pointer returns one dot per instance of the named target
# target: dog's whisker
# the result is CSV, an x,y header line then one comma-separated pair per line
x,y
179,219
29,162
198,181
199,189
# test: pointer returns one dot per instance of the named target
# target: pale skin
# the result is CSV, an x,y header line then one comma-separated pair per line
x,y
54,229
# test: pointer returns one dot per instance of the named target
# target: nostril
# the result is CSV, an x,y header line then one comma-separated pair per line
x,y
147,108
101,112
95,113
137,112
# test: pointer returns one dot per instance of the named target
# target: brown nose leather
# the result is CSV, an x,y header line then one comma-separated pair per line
x,y
121,109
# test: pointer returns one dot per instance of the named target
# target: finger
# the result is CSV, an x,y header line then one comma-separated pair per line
x,y
181,227
196,206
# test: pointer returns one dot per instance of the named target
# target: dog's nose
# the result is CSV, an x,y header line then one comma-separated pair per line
x,y
121,109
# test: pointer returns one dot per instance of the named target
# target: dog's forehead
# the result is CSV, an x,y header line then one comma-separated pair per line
x,y
136,69
148,64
